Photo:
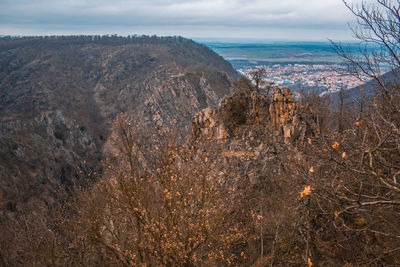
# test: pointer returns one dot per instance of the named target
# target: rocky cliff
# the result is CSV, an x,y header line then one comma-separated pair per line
x,y
279,116
249,135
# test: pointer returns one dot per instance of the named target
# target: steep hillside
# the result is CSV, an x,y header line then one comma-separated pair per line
x,y
59,95
370,88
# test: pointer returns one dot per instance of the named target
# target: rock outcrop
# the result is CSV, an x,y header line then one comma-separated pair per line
x,y
249,137
278,115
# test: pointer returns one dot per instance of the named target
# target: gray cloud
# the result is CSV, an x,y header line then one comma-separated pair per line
x,y
202,17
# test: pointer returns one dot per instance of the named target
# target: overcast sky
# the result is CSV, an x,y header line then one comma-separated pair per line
x,y
261,19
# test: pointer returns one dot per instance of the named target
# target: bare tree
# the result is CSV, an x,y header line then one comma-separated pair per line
x,y
258,76
378,30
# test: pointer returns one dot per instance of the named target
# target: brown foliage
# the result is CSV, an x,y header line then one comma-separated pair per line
x,y
353,210
162,208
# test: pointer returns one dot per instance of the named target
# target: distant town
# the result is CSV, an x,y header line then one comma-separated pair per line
x,y
322,78
297,65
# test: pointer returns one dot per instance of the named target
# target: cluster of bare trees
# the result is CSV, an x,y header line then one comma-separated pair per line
x,y
351,212
164,208
156,204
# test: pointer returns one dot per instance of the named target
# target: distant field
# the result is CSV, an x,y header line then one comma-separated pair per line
x,y
277,53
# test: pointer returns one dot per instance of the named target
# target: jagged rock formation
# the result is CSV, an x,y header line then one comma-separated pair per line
x,y
278,115
249,136
59,96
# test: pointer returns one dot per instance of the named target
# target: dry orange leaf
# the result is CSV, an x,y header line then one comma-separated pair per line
x,y
312,169
344,155
306,191
360,221
358,123
335,146
309,262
